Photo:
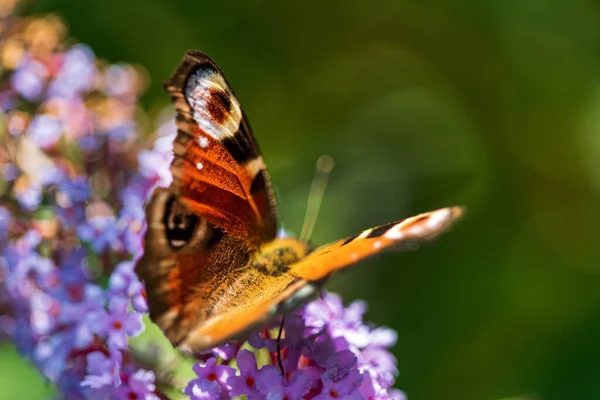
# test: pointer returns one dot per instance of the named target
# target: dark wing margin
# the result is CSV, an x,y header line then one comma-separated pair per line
x,y
208,111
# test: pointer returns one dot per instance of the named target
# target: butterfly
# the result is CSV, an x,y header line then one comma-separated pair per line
x,y
213,266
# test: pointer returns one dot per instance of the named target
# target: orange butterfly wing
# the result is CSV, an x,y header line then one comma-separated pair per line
x,y
218,211
218,170
329,258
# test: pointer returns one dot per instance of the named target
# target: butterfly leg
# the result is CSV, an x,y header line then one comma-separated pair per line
x,y
279,346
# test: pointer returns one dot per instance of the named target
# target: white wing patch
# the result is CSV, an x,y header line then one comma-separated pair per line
x,y
215,109
423,225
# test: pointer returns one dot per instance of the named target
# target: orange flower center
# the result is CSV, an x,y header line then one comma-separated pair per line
x,y
334,394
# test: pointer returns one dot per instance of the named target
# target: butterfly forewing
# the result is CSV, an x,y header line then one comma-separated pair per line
x,y
216,151
329,258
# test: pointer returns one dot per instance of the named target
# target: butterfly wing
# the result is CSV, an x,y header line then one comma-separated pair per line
x,y
218,170
304,279
341,254
219,209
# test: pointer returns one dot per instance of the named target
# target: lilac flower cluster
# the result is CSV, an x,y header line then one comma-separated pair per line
x,y
74,179
71,212
326,352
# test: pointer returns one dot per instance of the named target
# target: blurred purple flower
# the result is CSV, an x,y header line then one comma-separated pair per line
x,y
5,222
125,283
29,79
119,80
329,312
80,315
102,371
29,195
45,130
67,312
72,191
76,73
101,232
117,324
140,386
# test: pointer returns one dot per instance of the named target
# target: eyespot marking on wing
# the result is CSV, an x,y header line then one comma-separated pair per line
x,y
214,108
218,104
179,223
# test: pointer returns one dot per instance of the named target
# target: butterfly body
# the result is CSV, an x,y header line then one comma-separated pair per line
x,y
212,265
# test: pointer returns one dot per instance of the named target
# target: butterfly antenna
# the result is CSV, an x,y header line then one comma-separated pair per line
x,y
323,168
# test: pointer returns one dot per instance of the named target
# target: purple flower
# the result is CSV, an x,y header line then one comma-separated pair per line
x,y
122,131
51,353
117,324
252,382
378,362
295,335
226,351
9,172
101,232
124,282
6,220
343,388
329,312
80,315
319,355
293,386
60,312
119,80
28,194
211,382
76,74
140,386
29,79
102,371
73,191
45,130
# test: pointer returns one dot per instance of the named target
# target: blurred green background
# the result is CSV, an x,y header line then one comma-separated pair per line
x,y
423,104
